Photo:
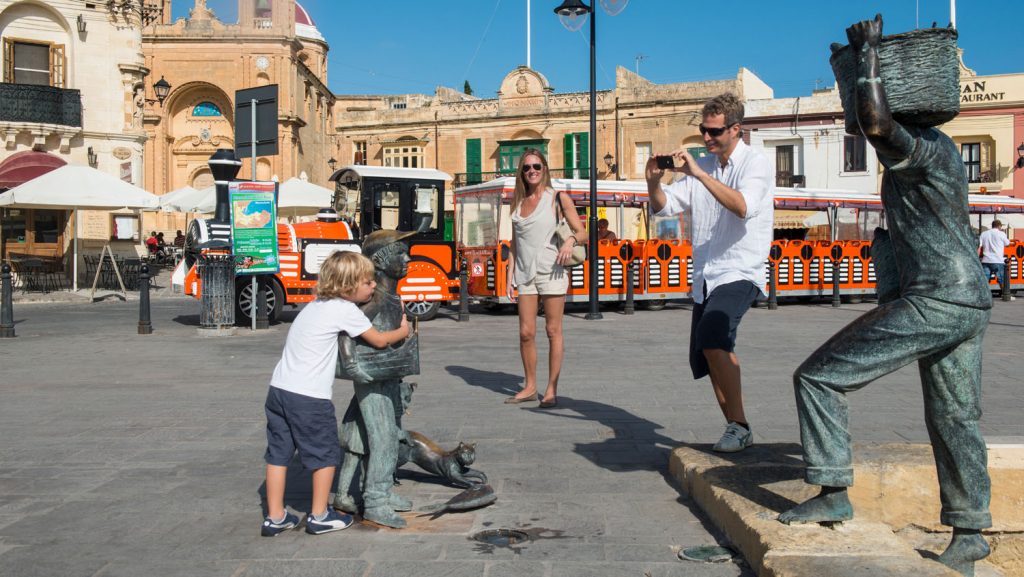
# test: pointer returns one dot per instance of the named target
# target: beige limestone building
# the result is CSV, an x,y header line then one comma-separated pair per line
x,y
206,61
71,71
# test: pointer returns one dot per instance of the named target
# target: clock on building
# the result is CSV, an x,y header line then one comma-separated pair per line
x,y
262,62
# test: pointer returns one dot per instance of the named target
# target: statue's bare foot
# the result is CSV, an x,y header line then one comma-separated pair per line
x,y
831,505
966,547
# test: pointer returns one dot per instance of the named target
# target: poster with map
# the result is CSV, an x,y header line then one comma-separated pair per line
x,y
254,227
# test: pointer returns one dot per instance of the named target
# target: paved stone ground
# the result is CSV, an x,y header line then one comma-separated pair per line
x,y
128,455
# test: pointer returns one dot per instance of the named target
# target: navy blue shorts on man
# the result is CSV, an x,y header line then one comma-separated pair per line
x,y
715,321
299,423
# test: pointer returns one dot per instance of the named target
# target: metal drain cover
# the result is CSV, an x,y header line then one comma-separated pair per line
x,y
501,537
707,554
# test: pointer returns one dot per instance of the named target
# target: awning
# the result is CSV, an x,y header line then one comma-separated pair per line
x,y
24,166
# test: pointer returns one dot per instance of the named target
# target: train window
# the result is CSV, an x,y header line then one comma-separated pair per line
x,y
428,201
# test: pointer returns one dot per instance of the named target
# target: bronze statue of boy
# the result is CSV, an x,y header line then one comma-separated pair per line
x,y
373,423
933,309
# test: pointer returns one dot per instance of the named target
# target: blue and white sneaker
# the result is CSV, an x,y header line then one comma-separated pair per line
x,y
272,529
334,521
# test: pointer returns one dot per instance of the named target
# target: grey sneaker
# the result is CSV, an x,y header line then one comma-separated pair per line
x,y
736,438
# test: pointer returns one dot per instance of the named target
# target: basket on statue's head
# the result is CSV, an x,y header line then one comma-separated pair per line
x,y
920,72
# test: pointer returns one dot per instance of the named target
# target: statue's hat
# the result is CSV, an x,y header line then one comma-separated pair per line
x,y
379,239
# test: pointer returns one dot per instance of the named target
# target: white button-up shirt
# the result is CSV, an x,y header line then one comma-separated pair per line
x,y
726,248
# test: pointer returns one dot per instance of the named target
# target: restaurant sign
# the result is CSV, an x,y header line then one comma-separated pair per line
x,y
254,227
980,91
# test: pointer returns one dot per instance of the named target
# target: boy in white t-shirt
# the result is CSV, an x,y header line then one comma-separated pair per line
x,y
300,414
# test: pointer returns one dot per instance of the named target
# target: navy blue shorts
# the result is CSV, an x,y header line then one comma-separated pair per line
x,y
715,321
299,423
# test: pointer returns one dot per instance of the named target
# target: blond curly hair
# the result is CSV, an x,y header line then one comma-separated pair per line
x,y
341,273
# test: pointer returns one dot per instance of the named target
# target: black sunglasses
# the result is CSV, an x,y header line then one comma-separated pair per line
x,y
537,167
718,131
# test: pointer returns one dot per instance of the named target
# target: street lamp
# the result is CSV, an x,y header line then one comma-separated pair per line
x,y
609,161
1020,155
162,88
572,14
332,163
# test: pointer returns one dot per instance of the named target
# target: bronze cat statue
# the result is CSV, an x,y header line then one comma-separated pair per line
x,y
453,466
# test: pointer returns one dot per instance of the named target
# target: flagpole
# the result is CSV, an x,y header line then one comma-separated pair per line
x,y
528,33
952,13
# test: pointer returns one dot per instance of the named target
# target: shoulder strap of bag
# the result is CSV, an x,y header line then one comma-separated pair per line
x,y
558,205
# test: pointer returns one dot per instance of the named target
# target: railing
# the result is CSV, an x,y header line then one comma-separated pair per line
x,y
263,23
42,104
467,178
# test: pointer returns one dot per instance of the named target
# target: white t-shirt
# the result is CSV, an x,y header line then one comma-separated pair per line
x,y
311,350
726,248
992,243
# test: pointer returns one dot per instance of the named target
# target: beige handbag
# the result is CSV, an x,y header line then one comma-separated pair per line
x,y
563,232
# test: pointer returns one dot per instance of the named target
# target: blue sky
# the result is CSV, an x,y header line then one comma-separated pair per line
x,y
415,45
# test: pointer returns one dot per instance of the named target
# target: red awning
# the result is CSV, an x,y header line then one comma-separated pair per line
x,y
24,166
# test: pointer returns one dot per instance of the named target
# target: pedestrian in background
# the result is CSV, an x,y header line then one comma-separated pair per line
x,y
992,243
535,269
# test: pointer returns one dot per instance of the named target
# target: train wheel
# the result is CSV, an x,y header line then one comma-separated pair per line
x,y
244,299
653,304
422,310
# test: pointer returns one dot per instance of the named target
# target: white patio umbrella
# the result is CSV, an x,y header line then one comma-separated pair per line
x,y
72,187
182,199
301,196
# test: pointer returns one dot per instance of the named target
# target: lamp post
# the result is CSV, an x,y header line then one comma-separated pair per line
x,y
1020,155
162,88
570,11
332,163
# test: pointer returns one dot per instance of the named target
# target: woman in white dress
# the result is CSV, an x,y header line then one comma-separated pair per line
x,y
535,269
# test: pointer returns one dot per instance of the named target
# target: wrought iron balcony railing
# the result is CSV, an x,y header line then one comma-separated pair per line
x,y
43,104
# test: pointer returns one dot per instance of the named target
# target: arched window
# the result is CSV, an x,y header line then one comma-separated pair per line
x,y
206,108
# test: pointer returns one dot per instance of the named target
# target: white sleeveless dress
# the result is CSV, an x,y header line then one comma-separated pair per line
x,y
536,250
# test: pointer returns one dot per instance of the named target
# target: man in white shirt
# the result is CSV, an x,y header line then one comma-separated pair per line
x,y
728,200
992,243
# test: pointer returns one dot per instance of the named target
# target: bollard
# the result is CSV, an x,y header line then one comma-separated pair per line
x,y
217,274
6,303
630,306
837,259
262,320
145,326
464,291
1004,284
773,289
835,284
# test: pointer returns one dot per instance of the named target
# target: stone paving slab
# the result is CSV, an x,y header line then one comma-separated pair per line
x,y
142,455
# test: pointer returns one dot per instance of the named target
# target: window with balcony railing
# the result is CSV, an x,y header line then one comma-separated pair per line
x,y
971,154
34,62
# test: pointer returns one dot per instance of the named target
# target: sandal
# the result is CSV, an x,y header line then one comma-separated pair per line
x,y
515,401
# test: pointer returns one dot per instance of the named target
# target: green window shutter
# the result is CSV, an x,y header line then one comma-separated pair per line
x,y
568,162
697,151
473,164
584,161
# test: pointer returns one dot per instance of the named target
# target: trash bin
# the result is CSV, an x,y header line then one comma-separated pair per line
x,y
217,274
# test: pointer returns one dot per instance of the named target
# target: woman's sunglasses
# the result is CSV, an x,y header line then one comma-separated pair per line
x,y
537,167
717,131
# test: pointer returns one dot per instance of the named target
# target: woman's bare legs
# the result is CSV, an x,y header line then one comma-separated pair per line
x,y
554,307
528,344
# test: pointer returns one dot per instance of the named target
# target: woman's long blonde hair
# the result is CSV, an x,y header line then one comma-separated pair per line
x,y
520,190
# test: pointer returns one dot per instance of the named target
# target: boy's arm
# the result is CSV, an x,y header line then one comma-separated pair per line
x,y
380,339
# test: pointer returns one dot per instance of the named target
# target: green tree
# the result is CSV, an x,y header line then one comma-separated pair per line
x,y
467,89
